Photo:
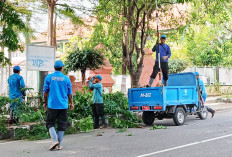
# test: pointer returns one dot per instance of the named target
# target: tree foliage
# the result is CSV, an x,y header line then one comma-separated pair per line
x,y
11,21
133,18
110,35
177,65
3,60
83,60
207,37
14,20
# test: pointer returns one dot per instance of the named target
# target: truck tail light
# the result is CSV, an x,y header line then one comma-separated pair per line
x,y
135,108
158,107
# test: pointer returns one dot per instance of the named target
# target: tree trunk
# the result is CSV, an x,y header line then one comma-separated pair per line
x,y
124,48
54,31
83,77
124,40
135,80
51,6
9,57
123,66
217,74
135,21
2,82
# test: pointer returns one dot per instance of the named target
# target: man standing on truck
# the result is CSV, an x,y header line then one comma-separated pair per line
x,y
204,94
165,53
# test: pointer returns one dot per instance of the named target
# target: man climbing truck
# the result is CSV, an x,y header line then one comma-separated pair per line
x,y
203,93
165,54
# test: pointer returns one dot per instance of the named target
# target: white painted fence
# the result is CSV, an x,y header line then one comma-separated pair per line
x,y
207,74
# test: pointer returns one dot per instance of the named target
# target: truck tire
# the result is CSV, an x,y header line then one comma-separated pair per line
x,y
148,117
179,116
203,114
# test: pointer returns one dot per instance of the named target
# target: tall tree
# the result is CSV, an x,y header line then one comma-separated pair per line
x,y
62,9
134,17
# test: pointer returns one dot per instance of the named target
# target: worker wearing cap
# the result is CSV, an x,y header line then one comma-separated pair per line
x,y
204,94
16,85
165,54
57,92
98,106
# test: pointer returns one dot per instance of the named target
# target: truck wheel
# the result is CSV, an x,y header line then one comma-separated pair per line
x,y
179,116
148,117
203,114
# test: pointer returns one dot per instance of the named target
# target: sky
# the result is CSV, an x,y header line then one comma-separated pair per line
x,y
39,20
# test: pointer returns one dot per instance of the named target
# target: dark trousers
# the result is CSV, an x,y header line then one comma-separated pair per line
x,y
13,118
209,109
13,108
164,68
98,111
57,115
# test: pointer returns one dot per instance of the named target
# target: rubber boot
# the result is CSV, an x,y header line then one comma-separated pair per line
x,y
211,111
150,82
103,121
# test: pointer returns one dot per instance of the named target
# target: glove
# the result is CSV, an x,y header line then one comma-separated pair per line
x,y
165,57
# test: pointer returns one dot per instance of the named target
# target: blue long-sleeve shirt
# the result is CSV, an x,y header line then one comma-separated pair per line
x,y
59,87
204,94
162,51
15,82
97,92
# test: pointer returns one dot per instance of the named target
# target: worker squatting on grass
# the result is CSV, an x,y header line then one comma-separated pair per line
x,y
57,92
165,54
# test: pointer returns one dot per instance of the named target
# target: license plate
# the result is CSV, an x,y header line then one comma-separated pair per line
x,y
146,107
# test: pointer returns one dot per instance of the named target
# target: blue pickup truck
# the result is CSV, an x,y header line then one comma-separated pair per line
x,y
181,97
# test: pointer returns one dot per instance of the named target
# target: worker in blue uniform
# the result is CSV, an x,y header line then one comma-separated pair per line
x,y
204,94
57,92
16,86
98,106
165,54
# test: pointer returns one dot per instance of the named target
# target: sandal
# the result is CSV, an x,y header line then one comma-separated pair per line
x,y
54,145
59,147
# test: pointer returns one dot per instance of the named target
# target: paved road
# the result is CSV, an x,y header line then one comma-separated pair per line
x,y
205,138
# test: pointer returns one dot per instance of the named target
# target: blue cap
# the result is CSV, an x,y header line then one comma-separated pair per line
x,y
59,64
17,68
196,73
163,36
99,77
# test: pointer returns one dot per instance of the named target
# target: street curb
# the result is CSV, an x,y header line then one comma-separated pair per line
x,y
221,107
11,131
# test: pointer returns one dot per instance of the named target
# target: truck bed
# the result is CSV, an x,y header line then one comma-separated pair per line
x,y
158,98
